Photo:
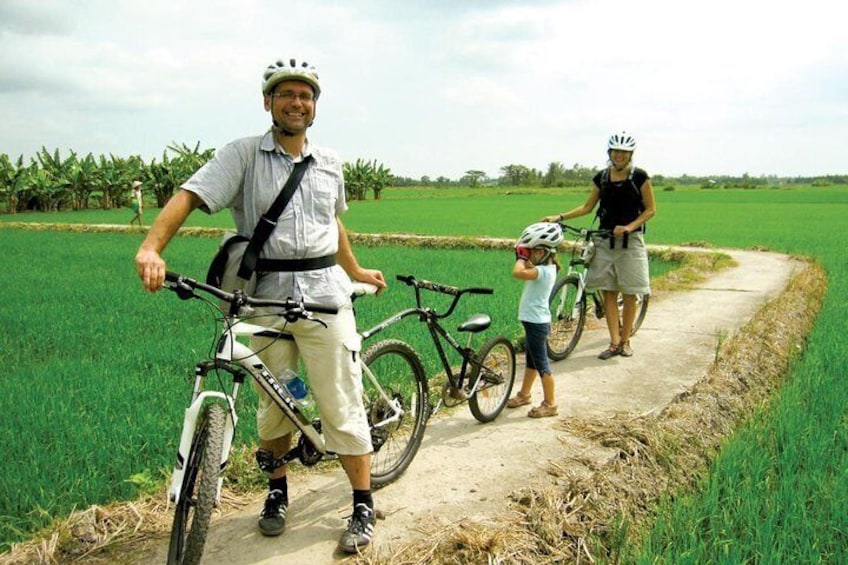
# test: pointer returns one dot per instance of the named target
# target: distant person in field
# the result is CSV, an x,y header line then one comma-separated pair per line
x,y
620,265
536,265
136,204
245,176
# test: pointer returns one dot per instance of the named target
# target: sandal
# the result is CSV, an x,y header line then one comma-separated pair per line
x,y
613,350
544,410
520,399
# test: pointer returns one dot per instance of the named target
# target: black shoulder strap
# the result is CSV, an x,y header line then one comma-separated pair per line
x,y
268,221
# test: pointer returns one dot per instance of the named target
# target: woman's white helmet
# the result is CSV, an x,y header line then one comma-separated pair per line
x,y
542,234
622,141
290,69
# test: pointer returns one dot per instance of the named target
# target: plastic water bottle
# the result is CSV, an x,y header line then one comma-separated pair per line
x,y
296,387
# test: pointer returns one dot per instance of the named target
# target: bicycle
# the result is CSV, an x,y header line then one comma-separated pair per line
x,y
485,378
568,300
396,416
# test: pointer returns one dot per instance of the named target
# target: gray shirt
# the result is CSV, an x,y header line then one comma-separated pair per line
x,y
246,176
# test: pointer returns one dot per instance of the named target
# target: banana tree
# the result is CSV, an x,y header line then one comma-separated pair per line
x,y
362,175
12,176
84,177
168,175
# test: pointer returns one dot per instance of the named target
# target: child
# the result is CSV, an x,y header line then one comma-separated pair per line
x,y
536,264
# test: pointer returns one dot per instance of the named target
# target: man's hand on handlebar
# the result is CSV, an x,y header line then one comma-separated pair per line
x,y
151,269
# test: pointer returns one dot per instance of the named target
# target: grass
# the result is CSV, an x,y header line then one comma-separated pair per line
x,y
778,489
100,371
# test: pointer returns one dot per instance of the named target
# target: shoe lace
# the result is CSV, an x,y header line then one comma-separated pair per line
x,y
274,505
360,519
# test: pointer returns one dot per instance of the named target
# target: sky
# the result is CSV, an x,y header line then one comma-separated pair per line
x,y
440,87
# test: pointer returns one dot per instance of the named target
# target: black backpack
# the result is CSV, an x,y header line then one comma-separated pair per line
x,y
605,186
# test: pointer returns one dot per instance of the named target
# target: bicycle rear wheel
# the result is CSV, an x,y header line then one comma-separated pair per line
x,y
641,311
400,374
199,488
568,316
497,374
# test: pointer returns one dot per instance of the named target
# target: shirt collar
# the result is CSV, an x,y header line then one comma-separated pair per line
x,y
268,143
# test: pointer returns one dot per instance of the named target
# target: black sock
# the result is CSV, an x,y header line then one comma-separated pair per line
x,y
281,484
363,497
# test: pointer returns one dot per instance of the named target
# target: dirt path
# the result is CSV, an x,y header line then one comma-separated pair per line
x,y
467,469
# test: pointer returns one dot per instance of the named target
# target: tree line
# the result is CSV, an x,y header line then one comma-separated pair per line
x,y
50,182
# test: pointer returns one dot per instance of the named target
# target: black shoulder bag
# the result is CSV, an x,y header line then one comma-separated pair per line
x,y
237,261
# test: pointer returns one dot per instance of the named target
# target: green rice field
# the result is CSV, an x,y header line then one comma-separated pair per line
x,y
96,371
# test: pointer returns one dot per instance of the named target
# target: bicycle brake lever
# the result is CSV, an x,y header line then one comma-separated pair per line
x,y
317,320
184,292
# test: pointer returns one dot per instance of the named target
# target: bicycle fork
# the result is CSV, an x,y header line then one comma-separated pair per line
x,y
190,421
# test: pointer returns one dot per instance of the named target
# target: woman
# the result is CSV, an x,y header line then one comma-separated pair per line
x,y
620,265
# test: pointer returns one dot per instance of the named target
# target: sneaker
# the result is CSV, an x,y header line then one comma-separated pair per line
x,y
272,520
611,351
360,529
625,350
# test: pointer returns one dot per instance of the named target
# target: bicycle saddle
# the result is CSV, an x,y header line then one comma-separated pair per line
x,y
476,323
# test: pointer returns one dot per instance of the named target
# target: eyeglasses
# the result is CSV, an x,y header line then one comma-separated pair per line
x,y
290,96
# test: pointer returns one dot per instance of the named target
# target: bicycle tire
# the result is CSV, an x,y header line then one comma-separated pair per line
x,y
400,372
200,484
568,317
641,311
497,359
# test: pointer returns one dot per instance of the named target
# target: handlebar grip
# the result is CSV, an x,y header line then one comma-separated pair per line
x,y
317,308
480,290
171,277
408,279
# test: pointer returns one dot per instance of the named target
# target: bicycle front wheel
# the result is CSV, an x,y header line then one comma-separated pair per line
x,y
397,403
568,316
641,311
199,488
496,372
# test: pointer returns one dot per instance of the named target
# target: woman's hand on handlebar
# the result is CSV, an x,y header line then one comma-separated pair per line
x,y
151,269
551,219
372,276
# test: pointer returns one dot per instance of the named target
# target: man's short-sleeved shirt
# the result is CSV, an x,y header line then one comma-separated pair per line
x,y
246,176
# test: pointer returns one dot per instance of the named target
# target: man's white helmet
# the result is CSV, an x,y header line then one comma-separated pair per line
x,y
290,69
542,234
622,141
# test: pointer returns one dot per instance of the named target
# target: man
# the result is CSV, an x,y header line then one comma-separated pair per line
x,y
246,175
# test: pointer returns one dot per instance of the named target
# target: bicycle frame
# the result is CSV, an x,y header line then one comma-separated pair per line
x,y
237,359
437,332
581,259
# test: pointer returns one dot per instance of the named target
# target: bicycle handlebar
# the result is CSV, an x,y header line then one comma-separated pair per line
x,y
292,309
585,232
440,288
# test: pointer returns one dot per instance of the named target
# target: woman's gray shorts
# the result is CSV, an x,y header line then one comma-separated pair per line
x,y
620,269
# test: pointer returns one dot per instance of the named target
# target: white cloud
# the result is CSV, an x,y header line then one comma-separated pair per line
x,y
441,87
